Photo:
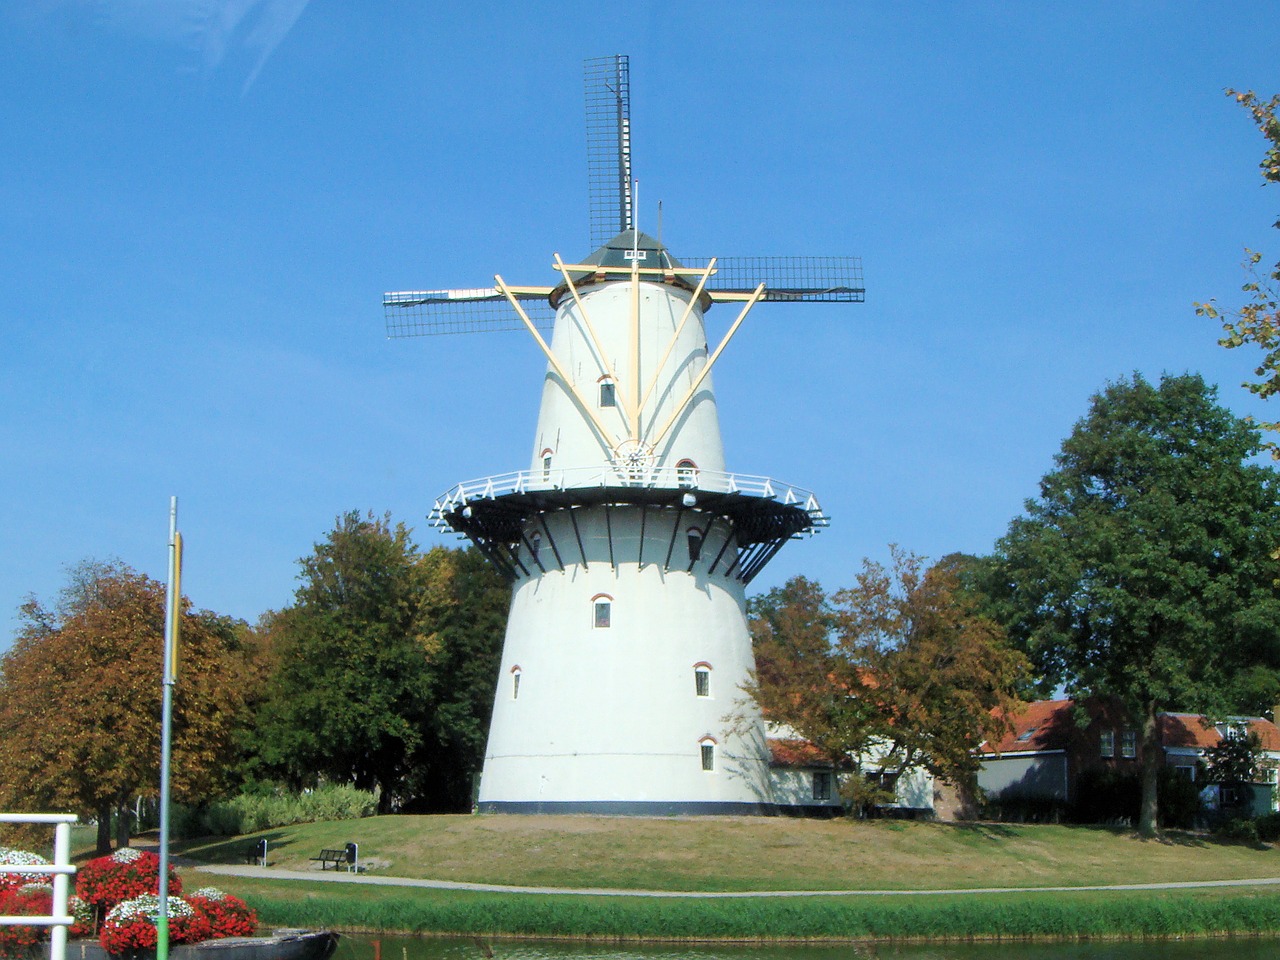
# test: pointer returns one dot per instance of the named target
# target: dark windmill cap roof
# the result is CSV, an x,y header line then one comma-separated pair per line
x,y
618,253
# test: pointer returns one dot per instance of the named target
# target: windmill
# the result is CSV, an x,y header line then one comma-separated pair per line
x,y
628,541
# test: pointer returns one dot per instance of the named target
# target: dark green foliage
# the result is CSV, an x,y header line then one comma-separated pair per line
x,y
1268,827
1236,759
383,668
1239,829
1105,795
1144,569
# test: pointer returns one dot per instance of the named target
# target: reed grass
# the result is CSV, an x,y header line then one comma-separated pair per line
x,y
1078,915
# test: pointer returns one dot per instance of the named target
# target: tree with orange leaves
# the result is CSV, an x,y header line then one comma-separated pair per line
x,y
80,697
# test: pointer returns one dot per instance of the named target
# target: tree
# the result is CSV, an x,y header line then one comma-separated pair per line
x,y
385,666
1258,321
80,698
1144,570
899,668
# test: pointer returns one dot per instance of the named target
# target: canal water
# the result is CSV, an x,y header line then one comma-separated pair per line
x,y
359,947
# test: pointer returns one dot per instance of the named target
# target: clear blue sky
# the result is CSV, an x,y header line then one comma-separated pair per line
x,y
202,201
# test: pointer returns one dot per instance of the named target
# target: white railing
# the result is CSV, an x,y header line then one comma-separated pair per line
x,y
621,475
61,869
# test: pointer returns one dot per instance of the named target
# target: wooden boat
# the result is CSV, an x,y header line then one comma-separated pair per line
x,y
281,945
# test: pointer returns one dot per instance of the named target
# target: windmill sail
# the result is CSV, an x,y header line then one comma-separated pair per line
x,y
608,89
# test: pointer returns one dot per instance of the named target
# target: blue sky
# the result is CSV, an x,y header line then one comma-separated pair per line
x,y
202,202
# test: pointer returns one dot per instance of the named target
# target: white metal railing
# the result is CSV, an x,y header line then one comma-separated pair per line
x,y
624,475
61,869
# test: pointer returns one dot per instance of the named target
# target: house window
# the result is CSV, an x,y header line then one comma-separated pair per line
x,y
708,755
1129,744
686,473
602,611
695,544
1186,772
608,394
515,683
1107,743
702,680
822,785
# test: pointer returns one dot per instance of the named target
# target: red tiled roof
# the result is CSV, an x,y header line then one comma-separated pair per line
x,y
1193,730
1041,725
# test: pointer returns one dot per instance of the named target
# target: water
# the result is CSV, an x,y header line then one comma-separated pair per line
x,y
360,947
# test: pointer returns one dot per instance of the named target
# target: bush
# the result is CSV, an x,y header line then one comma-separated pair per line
x,y
256,811
1242,830
228,916
131,925
1268,827
125,875
1109,796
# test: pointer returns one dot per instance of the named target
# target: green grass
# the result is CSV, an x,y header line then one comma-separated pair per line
x,y
737,854
877,917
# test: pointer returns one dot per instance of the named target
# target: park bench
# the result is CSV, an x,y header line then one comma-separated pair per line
x,y
339,858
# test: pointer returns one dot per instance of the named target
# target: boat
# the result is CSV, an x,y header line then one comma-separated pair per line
x,y
281,945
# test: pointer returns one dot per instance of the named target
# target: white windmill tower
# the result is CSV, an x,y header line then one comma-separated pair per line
x,y
628,541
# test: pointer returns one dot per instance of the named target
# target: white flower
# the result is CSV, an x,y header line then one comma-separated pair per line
x,y
126,855
20,858
210,893
147,907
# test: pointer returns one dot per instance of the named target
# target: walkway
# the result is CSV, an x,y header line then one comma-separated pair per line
x,y
272,873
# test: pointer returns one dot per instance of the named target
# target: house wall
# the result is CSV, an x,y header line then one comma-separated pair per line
x,y
1040,776
793,787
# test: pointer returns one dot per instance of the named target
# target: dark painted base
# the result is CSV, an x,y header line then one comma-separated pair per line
x,y
654,808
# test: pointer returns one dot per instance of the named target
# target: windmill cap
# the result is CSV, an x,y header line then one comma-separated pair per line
x,y
619,252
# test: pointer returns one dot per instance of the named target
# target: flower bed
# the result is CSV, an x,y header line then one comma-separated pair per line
x,y
124,875
131,925
228,916
18,858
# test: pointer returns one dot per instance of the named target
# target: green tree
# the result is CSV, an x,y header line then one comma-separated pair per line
x,y
1144,568
80,696
898,671
1258,321
384,667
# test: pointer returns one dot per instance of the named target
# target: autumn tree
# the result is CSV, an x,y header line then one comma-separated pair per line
x,y
385,666
1143,570
899,669
80,699
1257,322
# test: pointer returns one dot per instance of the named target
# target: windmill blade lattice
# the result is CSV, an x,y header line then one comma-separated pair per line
x,y
608,89
423,313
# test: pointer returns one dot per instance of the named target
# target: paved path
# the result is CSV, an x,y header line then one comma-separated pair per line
x,y
334,876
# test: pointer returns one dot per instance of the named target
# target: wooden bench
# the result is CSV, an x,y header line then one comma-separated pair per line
x,y
338,858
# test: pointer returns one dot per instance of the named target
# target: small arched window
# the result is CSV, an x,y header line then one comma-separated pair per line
x,y
702,679
602,611
515,683
686,474
695,544
546,463
707,749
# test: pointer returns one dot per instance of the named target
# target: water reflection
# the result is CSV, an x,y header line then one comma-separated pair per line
x,y
355,947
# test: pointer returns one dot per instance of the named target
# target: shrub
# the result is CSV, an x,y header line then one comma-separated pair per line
x,y
126,874
18,858
1268,827
228,916
259,810
1242,830
131,924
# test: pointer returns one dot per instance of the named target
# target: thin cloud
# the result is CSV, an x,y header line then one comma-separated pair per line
x,y
218,30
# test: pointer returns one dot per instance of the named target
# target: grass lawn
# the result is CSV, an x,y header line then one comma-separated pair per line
x,y
752,853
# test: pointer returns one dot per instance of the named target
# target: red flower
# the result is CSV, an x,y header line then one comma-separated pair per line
x,y
228,916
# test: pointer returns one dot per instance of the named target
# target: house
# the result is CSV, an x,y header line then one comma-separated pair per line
x,y
1055,746
805,783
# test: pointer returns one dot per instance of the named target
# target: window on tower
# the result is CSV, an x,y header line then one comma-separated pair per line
x,y
535,544
686,473
708,750
702,680
608,394
695,544
515,683
602,611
